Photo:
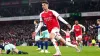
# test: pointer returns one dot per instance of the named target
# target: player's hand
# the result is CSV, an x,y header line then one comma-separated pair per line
x,y
83,32
62,29
69,26
33,35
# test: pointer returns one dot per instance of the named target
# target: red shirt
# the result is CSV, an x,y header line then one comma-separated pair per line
x,y
78,29
86,38
50,19
67,35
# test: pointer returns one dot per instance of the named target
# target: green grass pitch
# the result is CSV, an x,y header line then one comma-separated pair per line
x,y
66,51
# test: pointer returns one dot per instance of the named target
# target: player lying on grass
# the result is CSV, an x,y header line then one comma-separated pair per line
x,y
10,48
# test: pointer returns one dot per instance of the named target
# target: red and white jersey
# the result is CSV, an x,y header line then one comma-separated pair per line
x,y
78,29
50,19
67,34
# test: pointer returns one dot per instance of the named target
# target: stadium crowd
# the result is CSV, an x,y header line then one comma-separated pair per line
x,y
19,32
35,8
16,34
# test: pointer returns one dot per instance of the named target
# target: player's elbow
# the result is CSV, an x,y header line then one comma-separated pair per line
x,y
41,24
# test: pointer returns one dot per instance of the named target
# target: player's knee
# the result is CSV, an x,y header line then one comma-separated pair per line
x,y
53,40
52,35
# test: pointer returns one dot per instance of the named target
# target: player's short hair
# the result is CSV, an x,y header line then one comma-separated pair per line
x,y
76,20
98,20
45,2
37,21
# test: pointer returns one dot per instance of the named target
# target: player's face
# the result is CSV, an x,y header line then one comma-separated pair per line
x,y
76,22
98,22
67,29
34,22
44,6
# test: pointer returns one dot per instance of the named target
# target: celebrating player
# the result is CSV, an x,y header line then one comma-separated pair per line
x,y
50,18
77,28
67,35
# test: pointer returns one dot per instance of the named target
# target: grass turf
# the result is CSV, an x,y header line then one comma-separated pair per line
x,y
66,51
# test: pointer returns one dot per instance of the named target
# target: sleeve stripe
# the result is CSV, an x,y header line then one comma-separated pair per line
x,y
58,16
41,21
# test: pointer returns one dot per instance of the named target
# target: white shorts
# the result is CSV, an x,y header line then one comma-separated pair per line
x,y
79,37
56,32
68,40
45,34
37,38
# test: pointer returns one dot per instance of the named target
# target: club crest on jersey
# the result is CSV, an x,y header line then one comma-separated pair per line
x,y
50,14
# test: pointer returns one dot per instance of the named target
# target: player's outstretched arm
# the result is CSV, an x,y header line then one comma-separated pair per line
x,y
60,18
63,30
39,27
72,29
83,28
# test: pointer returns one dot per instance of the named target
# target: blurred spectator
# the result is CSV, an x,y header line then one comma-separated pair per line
x,y
85,40
61,6
93,42
16,33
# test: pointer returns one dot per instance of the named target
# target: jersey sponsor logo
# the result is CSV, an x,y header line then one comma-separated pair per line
x,y
44,16
77,29
48,19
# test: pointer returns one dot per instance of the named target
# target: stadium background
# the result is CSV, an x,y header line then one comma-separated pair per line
x,y
17,16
